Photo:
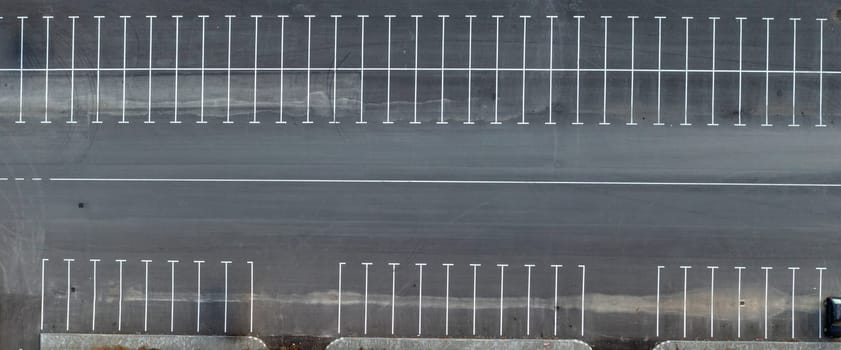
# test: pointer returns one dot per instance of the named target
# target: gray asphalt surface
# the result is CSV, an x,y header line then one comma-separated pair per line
x,y
297,233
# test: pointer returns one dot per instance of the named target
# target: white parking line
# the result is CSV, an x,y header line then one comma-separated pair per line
x,y
72,66
335,62
793,272
794,75
388,76
43,267
739,303
686,84
551,63
251,297
120,298
228,89
47,73
420,296
470,67
475,267
528,299
583,283
67,315
659,65
225,312
282,46
712,299
339,303
765,322
175,73
820,76
496,72
657,312
555,302
712,85
365,302
633,39
20,98
172,295
201,104
578,72
362,72
820,298
446,300
146,294
149,109
501,293
93,300
685,273
767,65
443,35
393,291
309,73
198,293
256,41
125,30
98,59
604,74
739,109
415,104
523,113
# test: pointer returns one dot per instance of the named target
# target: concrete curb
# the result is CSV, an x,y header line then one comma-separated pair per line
x,y
454,344
77,341
745,345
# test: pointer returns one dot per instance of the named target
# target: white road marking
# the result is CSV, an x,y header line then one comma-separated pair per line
x,y
820,297
420,296
393,291
686,84
47,73
443,35
583,280
120,298
604,82
339,303
633,42
739,303
659,65
146,294
446,300
93,301
415,104
578,72
767,64
523,112
741,27
67,315
125,29
470,65
657,313
72,66
528,299
251,297
793,272
225,312
282,46
820,77
172,295
501,293
309,69
712,299
712,85
794,75
256,41
20,98
475,267
228,90
362,72
551,63
765,322
685,273
496,73
43,267
555,302
175,73
335,62
98,66
198,293
201,105
365,320
149,109
388,76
